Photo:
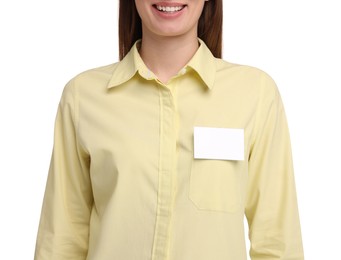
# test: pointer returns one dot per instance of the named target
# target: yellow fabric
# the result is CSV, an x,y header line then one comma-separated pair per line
x,y
124,185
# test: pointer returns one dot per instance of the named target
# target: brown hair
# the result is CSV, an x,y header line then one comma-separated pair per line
x,y
209,27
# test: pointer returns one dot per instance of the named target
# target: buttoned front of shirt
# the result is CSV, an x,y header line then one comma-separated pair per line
x,y
123,181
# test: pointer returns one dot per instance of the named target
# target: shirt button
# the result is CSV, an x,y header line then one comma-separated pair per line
x,y
146,74
183,71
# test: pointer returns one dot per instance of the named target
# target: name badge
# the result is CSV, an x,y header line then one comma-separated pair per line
x,y
218,143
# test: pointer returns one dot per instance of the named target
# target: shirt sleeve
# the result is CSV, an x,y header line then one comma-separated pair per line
x,y
64,224
271,204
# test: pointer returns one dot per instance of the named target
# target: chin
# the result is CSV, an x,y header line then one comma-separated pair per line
x,y
171,32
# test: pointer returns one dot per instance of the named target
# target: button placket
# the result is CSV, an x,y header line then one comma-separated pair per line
x,y
166,173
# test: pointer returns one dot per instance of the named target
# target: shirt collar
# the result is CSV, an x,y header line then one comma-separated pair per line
x,y
203,63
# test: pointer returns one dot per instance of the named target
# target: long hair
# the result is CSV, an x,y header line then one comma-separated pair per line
x,y
209,26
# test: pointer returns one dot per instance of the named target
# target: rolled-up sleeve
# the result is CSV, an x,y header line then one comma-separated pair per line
x,y
64,224
271,205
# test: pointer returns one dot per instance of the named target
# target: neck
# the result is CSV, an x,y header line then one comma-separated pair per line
x,y
166,56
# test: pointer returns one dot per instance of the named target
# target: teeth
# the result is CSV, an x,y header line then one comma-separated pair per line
x,y
169,9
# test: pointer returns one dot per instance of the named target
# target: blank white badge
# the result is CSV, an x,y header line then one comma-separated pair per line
x,y
218,143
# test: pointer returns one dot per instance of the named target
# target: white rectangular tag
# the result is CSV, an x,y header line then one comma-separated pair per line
x,y
218,143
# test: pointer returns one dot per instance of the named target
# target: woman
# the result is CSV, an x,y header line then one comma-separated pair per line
x,y
160,155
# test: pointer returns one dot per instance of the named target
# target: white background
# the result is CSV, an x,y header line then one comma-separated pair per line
x,y
45,43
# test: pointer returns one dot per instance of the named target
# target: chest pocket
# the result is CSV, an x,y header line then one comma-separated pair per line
x,y
215,185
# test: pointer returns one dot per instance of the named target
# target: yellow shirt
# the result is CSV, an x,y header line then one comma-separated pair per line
x,y
124,184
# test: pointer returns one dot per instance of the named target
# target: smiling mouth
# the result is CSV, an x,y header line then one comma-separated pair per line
x,y
169,9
